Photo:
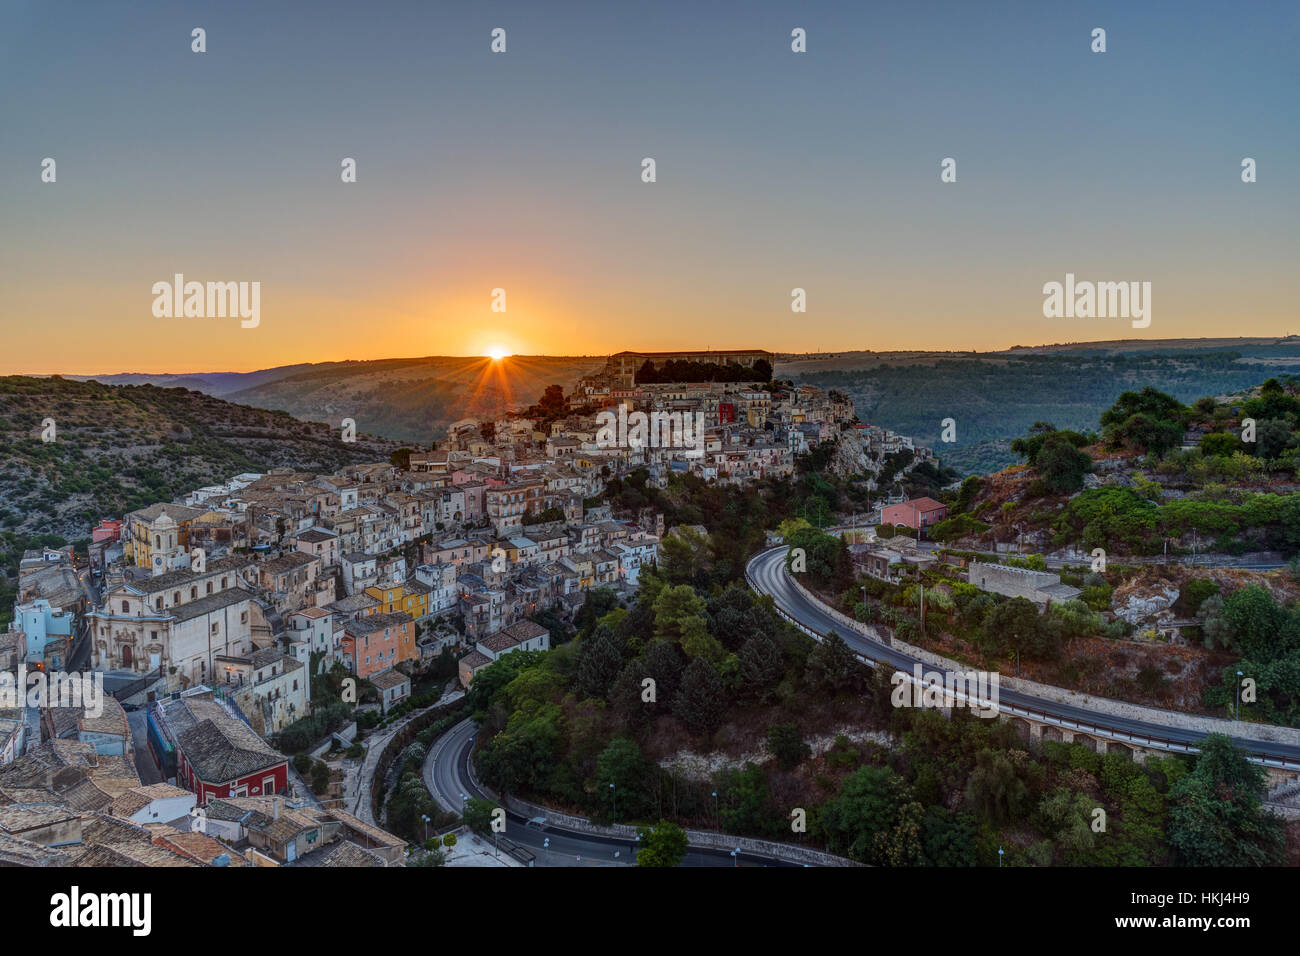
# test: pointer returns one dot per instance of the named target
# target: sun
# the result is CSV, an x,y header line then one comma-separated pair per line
x,y
496,353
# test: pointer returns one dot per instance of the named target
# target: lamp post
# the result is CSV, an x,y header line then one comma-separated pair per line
x,y
715,808
999,856
735,857
426,827
1236,713
546,848
613,796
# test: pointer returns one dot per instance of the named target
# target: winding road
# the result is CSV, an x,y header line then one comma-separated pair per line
x,y
766,573
447,775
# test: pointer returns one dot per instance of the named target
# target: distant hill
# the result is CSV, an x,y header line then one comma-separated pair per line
x,y
995,396
410,400
119,448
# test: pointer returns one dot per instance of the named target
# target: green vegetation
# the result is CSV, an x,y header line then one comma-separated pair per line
x,y
686,371
1266,635
661,845
1069,387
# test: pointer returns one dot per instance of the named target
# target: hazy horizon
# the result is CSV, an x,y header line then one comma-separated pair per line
x,y
600,356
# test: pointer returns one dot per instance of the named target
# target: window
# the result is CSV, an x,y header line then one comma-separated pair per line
x,y
223,582
158,604
194,593
126,607
214,628
209,587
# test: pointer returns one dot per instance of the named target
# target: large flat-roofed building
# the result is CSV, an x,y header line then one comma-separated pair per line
x,y
621,368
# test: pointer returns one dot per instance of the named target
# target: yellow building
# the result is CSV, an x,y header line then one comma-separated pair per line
x,y
411,598
157,537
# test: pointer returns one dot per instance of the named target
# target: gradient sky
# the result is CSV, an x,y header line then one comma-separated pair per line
x,y
522,171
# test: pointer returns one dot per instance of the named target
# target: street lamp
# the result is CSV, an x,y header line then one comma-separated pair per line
x,y
546,847
613,795
1236,714
715,808
735,856
426,827
999,856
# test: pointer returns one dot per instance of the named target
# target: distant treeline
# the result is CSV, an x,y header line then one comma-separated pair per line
x,y
682,371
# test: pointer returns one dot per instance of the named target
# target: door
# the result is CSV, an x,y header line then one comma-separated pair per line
x,y
126,656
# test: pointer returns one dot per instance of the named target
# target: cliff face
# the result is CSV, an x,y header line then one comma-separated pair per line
x,y
853,457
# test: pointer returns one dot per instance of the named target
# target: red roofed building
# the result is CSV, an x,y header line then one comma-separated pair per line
x,y
917,513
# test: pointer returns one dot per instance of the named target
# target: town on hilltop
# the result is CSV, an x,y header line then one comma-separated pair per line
x,y
210,616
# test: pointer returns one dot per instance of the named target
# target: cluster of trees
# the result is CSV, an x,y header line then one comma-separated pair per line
x,y
1123,519
1056,456
821,559
678,370
1266,636
959,788
736,519
564,725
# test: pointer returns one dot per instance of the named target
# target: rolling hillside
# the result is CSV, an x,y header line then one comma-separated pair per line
x,y
121,448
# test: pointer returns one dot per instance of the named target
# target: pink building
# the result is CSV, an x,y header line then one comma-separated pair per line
x,y
917,513
110,529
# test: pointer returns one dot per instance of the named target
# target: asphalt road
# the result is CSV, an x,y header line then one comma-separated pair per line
x,y
446,774
766,572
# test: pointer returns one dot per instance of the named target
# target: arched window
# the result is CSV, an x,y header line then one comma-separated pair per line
x,y
126,607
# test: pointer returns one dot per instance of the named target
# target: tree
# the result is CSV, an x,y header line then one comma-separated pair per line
x,y
683,555
663,845
858,820
622,764
746,802
994,788
1015,624
1216,817
947,838
831,665
1148,420
523,756
679,616
401,458
600,658
1061,465
700,700
434,857
787,745
761,662
1272,438
478,815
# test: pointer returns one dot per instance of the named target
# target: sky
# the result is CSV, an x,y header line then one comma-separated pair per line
x,y
522,171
